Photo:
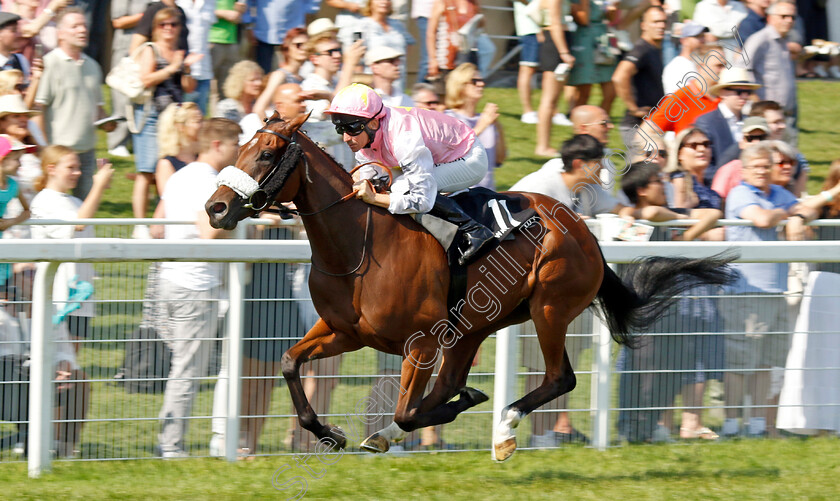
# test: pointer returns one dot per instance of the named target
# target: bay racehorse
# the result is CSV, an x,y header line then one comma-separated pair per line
x,y
381,280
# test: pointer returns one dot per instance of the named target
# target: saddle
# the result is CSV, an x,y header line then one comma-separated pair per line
x,y
502,214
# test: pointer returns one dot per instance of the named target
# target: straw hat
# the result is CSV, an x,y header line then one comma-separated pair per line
x,y
13,104
734,77
321,25
381,53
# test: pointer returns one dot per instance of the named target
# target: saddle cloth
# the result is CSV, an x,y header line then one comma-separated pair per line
x,y
500,213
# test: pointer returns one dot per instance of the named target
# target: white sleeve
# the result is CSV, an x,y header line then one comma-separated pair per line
x,y
422,187
45,206
417,165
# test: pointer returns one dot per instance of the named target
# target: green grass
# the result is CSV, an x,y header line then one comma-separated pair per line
x,y
742,470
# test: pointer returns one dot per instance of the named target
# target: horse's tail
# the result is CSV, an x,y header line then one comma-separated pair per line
x,y
649,286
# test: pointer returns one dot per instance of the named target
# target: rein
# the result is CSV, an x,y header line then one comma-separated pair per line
x,y
262,197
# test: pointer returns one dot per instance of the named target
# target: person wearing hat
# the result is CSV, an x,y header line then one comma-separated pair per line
x,y
321,25
386,63
755,130
10,43
771,61
15,124
434,152
691,40
723,124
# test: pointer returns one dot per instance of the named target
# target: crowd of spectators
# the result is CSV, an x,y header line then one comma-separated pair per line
x,y
711,120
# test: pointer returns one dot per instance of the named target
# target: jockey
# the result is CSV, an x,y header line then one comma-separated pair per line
x,y
435,152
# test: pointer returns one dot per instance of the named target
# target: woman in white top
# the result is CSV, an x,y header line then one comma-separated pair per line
x,y
55,201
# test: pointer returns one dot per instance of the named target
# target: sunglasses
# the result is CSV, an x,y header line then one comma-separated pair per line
x,y
429,103
755,137
697,144
352,128
331,52
786,16
742,92
476,81
169,24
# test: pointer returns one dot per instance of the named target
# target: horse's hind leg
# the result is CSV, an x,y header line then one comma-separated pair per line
x,y
319,342
551,325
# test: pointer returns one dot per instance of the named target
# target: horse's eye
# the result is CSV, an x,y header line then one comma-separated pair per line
x,y
266,155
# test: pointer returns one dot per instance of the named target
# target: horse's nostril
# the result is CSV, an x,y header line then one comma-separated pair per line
x,y
218,207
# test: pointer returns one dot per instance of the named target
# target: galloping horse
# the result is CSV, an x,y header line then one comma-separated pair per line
x,y
381,280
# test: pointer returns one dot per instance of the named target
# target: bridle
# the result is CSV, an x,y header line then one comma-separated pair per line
x,y
269,187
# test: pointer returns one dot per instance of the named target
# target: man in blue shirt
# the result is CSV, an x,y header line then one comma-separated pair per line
x,y
757,315
756,18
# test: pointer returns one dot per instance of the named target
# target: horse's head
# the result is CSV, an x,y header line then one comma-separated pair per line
x,y
262,174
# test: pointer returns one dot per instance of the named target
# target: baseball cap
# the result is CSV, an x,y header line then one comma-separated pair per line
x,y
755,123
692,29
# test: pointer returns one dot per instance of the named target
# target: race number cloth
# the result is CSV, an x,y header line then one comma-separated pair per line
x,y
500,213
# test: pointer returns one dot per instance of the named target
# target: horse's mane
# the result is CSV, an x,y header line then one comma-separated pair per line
x,y
332,161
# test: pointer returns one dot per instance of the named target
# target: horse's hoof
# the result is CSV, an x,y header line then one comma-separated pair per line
x,y
474,396
337,434
376,444
504,450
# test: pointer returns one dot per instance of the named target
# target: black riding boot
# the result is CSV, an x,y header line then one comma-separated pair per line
x,y
475,234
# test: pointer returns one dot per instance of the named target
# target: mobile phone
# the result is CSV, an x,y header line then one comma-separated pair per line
x,y
357,35
101,162
39,51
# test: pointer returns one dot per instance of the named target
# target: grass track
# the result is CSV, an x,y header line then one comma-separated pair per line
x,y
741,470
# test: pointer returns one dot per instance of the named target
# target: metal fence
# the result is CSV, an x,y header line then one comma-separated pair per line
x,y
265,304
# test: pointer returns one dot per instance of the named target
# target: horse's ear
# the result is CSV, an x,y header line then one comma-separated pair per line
x,y
274,116
296,122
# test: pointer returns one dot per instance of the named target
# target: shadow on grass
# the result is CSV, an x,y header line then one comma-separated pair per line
x,y
652,474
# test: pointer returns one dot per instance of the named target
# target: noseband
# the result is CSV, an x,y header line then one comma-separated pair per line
x,y
260,195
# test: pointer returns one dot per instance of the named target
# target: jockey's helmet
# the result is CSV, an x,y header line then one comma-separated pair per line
x,y
357,100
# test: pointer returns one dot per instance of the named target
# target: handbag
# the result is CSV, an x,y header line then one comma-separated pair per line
x,y
125,77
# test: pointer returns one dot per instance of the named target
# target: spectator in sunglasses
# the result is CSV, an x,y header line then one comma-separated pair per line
x,y
425,96
728,176
777,122
723,125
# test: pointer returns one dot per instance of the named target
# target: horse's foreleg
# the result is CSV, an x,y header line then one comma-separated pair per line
x,y
435,408
319,342
416,371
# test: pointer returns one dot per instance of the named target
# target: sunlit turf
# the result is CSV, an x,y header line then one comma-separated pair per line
x,y
740,470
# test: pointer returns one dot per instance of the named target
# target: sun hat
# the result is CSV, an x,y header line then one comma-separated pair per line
x,y
734,77
13,104
381,53
320,25
17,145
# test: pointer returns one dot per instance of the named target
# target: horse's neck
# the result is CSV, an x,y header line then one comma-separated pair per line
x,y
324,182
